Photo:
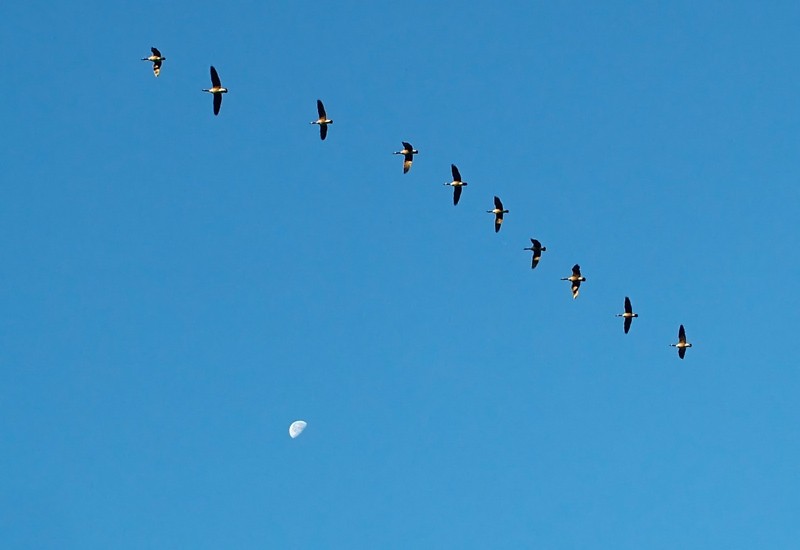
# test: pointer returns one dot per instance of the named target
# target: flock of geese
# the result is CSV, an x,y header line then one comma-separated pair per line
x,y
457,184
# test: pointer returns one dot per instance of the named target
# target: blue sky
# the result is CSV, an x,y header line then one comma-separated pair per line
x,y
178,287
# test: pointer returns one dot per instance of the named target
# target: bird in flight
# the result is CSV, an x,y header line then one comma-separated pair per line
x,y
576,279
408,153
537,249
628,315
682,343
456,183
323,120
156,58
216,90
498,214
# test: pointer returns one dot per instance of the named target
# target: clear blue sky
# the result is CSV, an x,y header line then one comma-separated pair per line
x,y
177,288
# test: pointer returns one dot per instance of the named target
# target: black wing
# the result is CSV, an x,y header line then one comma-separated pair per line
x,y
498,205
536,244
681,335
407,160
156,67
323,131
576,285
498,221
628,308
535,260
407,146
456,194
155,52
217,103
215,83
681,352
321,111
576,270
456,173
628,321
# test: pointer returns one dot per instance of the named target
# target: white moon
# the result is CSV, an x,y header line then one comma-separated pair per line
x,y
296,428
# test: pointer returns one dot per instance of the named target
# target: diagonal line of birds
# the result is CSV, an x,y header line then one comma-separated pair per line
x,y
458,184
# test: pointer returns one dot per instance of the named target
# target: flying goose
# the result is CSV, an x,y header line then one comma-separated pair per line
x,y
576,280
537,249
498,214
156,59
682,343
216,90
323,120
408,153
456,183
628,315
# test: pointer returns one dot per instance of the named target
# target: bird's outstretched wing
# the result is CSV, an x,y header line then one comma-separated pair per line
x,y
498,205
323,131
456,173
628,308
456,194
155,52
321,111
681,352
215,82
628,321
217,103
498,221
681,335
156,67
407,146
576,270
407,160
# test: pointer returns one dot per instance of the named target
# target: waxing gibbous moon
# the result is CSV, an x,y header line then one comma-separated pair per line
x,y
296,428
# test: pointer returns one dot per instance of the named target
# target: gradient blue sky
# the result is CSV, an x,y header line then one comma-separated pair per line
x,y
177,288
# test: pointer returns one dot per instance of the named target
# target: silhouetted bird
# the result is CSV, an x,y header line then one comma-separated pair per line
x,y
537,249
323,120
576,279
682,343
216,90
408,153
156,59
498,214
456,183
628,315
